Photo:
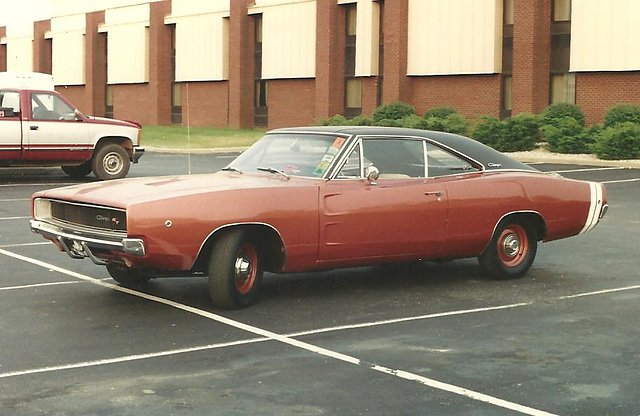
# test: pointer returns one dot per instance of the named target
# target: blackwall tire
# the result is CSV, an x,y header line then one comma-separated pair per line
x,y
79,171
511,251
235,270
111,162
125,276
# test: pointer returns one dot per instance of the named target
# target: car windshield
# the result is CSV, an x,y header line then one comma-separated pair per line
x,y
308,155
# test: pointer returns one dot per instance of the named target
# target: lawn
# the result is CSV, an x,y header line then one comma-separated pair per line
x,y
178,137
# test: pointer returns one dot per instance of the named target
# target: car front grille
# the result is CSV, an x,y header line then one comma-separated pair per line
x,y
89,216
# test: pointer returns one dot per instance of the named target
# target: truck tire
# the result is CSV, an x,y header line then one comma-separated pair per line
x,y
111,162
79,171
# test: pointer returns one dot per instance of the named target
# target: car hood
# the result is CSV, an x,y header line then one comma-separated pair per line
x,y
125,192
113,122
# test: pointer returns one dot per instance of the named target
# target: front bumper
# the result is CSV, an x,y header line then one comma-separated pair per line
x,y
138,152
79,246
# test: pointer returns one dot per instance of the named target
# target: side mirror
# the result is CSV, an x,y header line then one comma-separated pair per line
x,y
372,173
77,115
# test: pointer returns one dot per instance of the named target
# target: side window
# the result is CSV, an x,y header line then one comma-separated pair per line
x,y
9,104
395,158
441,163
50,107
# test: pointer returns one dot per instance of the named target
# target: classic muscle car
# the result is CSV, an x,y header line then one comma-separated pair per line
x,y
317,198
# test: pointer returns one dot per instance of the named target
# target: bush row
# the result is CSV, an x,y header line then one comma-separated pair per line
x,y
561,126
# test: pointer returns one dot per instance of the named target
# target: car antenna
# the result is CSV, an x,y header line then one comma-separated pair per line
x,y
188,135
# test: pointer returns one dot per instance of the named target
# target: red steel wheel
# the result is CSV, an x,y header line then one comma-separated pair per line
x,y
513,245
246,268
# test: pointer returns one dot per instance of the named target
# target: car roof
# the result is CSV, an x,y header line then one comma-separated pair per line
x,y
489,157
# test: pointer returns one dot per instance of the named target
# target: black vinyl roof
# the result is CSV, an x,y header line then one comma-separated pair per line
x,y
489,157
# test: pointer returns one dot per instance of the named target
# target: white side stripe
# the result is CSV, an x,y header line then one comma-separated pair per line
x,y
592,208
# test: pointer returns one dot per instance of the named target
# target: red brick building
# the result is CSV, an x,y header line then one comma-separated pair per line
x,y
246,63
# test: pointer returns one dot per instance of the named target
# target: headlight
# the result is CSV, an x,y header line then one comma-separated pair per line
x,y
42,209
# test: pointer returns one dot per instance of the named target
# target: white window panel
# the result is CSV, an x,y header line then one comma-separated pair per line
x,y
202,48
454,37
68,49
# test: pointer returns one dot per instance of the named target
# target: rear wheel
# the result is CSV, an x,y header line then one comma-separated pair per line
x,y
125,276
511,251
111,162
235,270
79,171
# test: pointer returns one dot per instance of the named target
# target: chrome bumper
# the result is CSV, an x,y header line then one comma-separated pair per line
x,y
81,246
137,153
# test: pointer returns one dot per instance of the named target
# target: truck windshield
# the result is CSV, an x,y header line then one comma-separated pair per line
x,y
308,155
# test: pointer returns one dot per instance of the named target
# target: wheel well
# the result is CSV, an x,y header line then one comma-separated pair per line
x,y
532,219
268,241
122,141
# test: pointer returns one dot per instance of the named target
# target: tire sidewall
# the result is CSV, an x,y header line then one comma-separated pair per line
x,y
102,153
495,267
222,283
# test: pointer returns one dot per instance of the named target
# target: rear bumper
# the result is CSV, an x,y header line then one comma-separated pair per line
x,y
79,246
137,153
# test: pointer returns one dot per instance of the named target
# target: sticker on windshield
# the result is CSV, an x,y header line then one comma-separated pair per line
x,y
330,154
339,142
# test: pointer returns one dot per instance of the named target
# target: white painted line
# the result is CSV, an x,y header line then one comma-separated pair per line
x,y
600,292
38,184
15,200
623,181
25,245
293,342
589,169
13,218
39,285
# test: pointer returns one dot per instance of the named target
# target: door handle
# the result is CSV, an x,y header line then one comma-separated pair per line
x,y
34,128
436,193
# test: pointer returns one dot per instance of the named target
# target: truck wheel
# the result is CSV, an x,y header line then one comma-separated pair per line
x,y
235,271
125,276
79,171
511,251
111,162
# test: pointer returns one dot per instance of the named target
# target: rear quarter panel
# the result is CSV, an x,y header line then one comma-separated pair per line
x,y
477,202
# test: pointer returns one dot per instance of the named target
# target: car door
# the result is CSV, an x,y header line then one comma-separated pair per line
x,y
53,131
401,213
10,126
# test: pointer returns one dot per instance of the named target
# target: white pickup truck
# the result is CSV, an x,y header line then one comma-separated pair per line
x,y
39,127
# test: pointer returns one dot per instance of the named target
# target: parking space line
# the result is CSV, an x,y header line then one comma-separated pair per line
x,y
293,342
591,169
75,282
600,292
622,181
25,244
37,184
13,218
15,199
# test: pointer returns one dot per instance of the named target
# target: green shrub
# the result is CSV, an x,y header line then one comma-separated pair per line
x,y
338,120
557,112
440,112
566,135
392,111
456,123
387,122
361,121
619,142
622,113
414,121
521,133
488,131
435,124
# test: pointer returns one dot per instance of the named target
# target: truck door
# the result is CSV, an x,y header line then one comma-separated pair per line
x,y
10,126
54,132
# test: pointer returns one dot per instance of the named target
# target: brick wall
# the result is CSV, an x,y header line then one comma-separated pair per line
x,y
291,102
241,58
531,45
76,95
330,44
395,22
471,95
597,91
42,53
3,51
208,103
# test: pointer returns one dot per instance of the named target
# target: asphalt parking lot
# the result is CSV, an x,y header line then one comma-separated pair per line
x,y
419,339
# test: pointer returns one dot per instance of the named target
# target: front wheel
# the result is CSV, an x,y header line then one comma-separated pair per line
x,y
125,276
78,171
511,251
235,270
111,162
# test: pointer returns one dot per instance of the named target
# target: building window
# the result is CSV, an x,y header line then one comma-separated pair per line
x,y
176,88
352,85
561,10
108,102
563,89
260,107
509,12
